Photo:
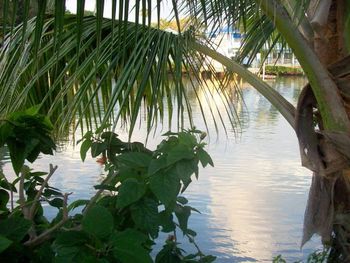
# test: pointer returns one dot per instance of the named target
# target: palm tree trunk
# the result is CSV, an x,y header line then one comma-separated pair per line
x,y
328,206
329,42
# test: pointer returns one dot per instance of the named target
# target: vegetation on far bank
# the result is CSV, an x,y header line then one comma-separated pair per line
x,y
281,70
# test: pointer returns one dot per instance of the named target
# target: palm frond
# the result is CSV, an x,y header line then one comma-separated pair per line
x,y
259,30
109,71
91,70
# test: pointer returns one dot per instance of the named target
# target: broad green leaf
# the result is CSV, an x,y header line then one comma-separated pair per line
x,y
48,192
182,200
85,146
126,172
88,135
38,173
156,165
128,246
108,201
44,252
145,215
14,228
97,148
4,198
194,209
34,153
166,187
66,254
169,133
8,186
130,191
78,203
98,222
179,152
185,184
103,127
186,168
17,154
168,255
76,254
32,111
70,238
191,232
105,187
39,179
135,159
187,139
168,144
166,221
183,213
4,243
204,157
56,202
47,122
6,130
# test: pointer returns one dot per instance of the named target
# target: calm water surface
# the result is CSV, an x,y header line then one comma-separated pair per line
x,y
252,201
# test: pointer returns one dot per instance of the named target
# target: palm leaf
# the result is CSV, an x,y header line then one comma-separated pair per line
x,y
260,31
92,70
110,74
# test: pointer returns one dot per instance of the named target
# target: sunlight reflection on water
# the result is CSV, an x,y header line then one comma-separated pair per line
x,y
252,201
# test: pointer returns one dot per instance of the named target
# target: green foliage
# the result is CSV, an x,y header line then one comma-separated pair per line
x,y
138,199
145,185
283,70
27,134
98,222
4,243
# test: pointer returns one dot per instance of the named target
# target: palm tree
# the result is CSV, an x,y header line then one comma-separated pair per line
x,y
78,66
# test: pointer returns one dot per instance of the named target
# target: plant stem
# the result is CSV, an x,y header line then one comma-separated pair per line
x,y
21,196
47,234
93,200
38,194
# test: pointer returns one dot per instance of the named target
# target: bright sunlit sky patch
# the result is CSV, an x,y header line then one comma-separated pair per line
x,y
166,8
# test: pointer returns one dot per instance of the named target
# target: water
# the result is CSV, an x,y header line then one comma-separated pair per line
x,y
252,201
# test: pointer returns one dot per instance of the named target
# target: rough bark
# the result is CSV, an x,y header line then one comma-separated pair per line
x,y
327,153
329,42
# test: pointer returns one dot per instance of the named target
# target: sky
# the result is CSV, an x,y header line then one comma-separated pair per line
x,y
166,6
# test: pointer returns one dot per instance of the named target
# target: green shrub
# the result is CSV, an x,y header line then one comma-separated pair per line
x,y
140,197
282,70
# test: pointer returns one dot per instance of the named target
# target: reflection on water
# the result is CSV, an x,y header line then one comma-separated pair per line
x,y
252,201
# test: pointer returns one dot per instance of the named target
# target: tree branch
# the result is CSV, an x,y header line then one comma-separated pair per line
x,y
98,193
47,234
39,193
21,196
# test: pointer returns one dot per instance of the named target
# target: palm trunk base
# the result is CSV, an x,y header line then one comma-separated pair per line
x,y
327,154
